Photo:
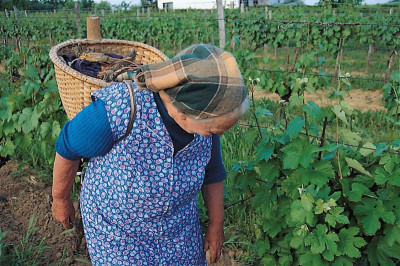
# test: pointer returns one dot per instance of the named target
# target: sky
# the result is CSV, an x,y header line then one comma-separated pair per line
x,y
307,2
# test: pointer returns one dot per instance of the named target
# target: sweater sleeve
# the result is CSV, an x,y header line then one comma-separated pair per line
x,y
215,169
87,135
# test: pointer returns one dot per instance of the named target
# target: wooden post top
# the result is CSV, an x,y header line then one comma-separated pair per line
x,y
93,28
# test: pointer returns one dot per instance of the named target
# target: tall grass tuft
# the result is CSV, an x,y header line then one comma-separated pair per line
x,y
28,252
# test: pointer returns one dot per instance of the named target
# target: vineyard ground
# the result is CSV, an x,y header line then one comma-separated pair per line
x,y
358,99
22,197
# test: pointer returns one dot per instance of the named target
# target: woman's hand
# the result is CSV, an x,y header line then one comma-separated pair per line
x,y
64,173
63,210
214,240
213,195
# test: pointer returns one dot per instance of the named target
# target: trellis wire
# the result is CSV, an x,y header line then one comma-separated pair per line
x,y
313,74
330,140
207,18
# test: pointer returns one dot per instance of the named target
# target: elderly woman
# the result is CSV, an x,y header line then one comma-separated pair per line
x,y
138,198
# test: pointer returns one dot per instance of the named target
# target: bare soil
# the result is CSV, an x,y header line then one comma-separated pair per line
x,y
22,196
358,99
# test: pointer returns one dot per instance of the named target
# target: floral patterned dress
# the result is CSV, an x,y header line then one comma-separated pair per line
x,y
138,201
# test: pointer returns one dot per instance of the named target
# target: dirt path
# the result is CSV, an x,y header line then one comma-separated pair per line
x,y
21,197
358,99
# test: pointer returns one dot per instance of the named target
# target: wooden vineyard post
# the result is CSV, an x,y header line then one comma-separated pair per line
x,y
26,14
390,65
93,28
78,19
16,13
137,13
221,24
7,15
265,44
370,50
337,62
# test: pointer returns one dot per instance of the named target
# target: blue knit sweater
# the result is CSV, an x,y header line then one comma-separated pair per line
x,y
89,134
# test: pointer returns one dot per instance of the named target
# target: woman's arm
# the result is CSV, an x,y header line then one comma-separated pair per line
x,y
64,173
213,195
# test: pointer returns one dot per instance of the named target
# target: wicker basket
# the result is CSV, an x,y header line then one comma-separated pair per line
x,y
76,88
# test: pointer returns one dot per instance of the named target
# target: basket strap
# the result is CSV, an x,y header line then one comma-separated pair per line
x,y
132,117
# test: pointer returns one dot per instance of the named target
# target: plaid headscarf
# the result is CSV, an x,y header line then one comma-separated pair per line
x,y
202,81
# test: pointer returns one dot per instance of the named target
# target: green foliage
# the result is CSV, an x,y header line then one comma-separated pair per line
x,y
31,114
103,5
331,204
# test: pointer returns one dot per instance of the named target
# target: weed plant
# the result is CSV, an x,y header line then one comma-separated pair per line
x,y
28,252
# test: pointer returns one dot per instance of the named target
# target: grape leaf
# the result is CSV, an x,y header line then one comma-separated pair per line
x,y
380,252
392,235
350,137
337,109
349,243
356,166
335,216
367,149
320,241
382,176
28,119
372,211
268,260
357,191
318,174
311,259
321,206
301,211
298,152
313,110
294,127
343,261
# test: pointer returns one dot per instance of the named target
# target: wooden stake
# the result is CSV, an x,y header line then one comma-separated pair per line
x,y
221,24
7,15
287,53
93,28
337,62
390,65
369,57
16,13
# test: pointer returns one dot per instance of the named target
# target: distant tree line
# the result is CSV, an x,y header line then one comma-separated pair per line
x,y
44,4
69,4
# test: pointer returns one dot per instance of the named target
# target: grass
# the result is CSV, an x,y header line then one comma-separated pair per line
x,y
28,251
353,61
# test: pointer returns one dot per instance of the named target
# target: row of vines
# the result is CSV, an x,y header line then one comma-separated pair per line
x,y
315,187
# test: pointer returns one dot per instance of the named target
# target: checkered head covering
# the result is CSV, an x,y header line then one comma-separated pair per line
x,y
202,81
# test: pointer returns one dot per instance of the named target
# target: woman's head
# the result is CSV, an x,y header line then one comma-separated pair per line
x,y
202,81
205,127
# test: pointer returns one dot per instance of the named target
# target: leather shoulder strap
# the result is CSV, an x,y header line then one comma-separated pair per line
x,y
132,117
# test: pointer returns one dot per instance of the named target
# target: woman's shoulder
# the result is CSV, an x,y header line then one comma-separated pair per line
x,y
115,90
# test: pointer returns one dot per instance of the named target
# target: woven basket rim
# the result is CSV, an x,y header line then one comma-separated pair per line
x,y
57,61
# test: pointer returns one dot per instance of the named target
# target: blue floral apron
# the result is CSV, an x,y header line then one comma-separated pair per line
x,y
139,200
